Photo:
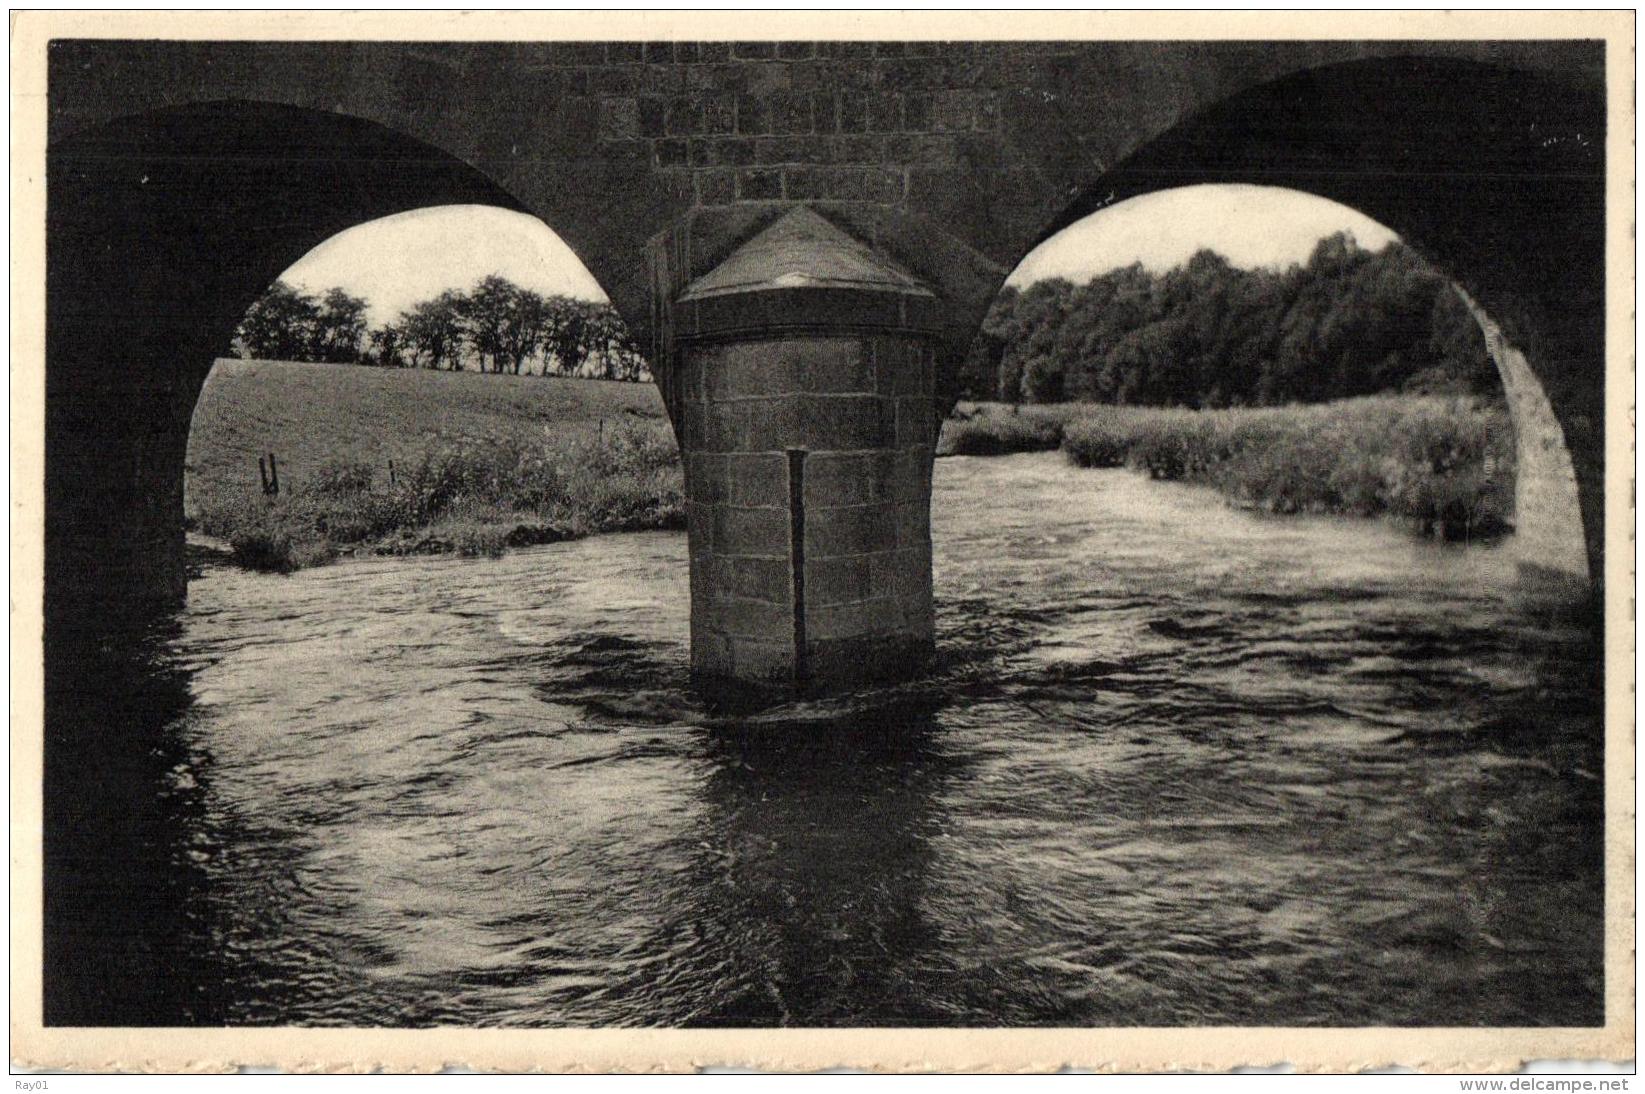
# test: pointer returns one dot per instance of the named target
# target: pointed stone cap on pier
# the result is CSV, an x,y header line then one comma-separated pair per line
x,y
803,273
802,250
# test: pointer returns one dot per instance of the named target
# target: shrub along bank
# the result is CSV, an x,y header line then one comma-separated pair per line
x,y
1443,466
471,499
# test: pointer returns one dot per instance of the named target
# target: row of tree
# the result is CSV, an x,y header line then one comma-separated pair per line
x,y
1208,334
497,326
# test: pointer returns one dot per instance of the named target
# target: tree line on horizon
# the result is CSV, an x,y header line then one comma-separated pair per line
x,y
495,327
1207,334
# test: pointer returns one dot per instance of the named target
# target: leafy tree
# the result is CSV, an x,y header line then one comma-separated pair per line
x,y
498,324
501,323
1347,322
280,325
388,344
609,348
432,331
339,327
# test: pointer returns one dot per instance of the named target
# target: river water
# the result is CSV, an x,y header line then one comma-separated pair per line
x,y
1176,764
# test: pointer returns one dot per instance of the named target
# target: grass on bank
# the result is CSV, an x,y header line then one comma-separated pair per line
x,y
311,415
1442,466
471,499
481,462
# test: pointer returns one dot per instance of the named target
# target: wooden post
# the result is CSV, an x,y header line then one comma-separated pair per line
x,y
391,474
262,474
273,476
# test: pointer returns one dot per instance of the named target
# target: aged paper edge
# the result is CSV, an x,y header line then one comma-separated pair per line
x,y
888,1050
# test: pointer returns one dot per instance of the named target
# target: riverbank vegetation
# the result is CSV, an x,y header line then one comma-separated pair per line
x,y
1442,465
420,462
469,499
1356,383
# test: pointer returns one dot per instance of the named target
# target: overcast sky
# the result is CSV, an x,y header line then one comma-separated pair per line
x,y
399,260
1248,225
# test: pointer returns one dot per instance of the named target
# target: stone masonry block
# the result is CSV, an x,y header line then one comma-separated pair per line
x,y
953,111
900,573
913,524
705,476
685,117
705,577
756,479
850,530
766,579
902,366
884,113
617,79
753,119
847,422
834,479
858,619
908,478
710,652
767,79
791,112
918,112
694,418
769,661
699,523
830,365
721,428
670,153
837,580
742,618
758,184
771,425
716,187
760,532
662,79
916,421
619,119
653,116
746,370
719,114
827,183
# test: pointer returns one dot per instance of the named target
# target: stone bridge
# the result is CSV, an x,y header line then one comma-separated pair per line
x,y
805,235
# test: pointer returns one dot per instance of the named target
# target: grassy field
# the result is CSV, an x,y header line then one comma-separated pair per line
x,y
1441,465
312,415
481,462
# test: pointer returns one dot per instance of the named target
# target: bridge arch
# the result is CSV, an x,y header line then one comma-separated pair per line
x,y
662,161
1496,176
163,229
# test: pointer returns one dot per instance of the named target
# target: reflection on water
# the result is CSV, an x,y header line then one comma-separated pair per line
x,y
1176,765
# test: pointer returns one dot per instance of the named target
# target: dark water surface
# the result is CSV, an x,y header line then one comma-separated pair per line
x,y
1177,764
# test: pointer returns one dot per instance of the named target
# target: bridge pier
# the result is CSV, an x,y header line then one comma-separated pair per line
x,y
805,367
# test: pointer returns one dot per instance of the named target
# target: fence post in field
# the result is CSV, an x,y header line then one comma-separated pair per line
x,y
391,474
262,474
273,476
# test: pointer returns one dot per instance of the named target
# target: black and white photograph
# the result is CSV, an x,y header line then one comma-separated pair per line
x,y
1067,525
